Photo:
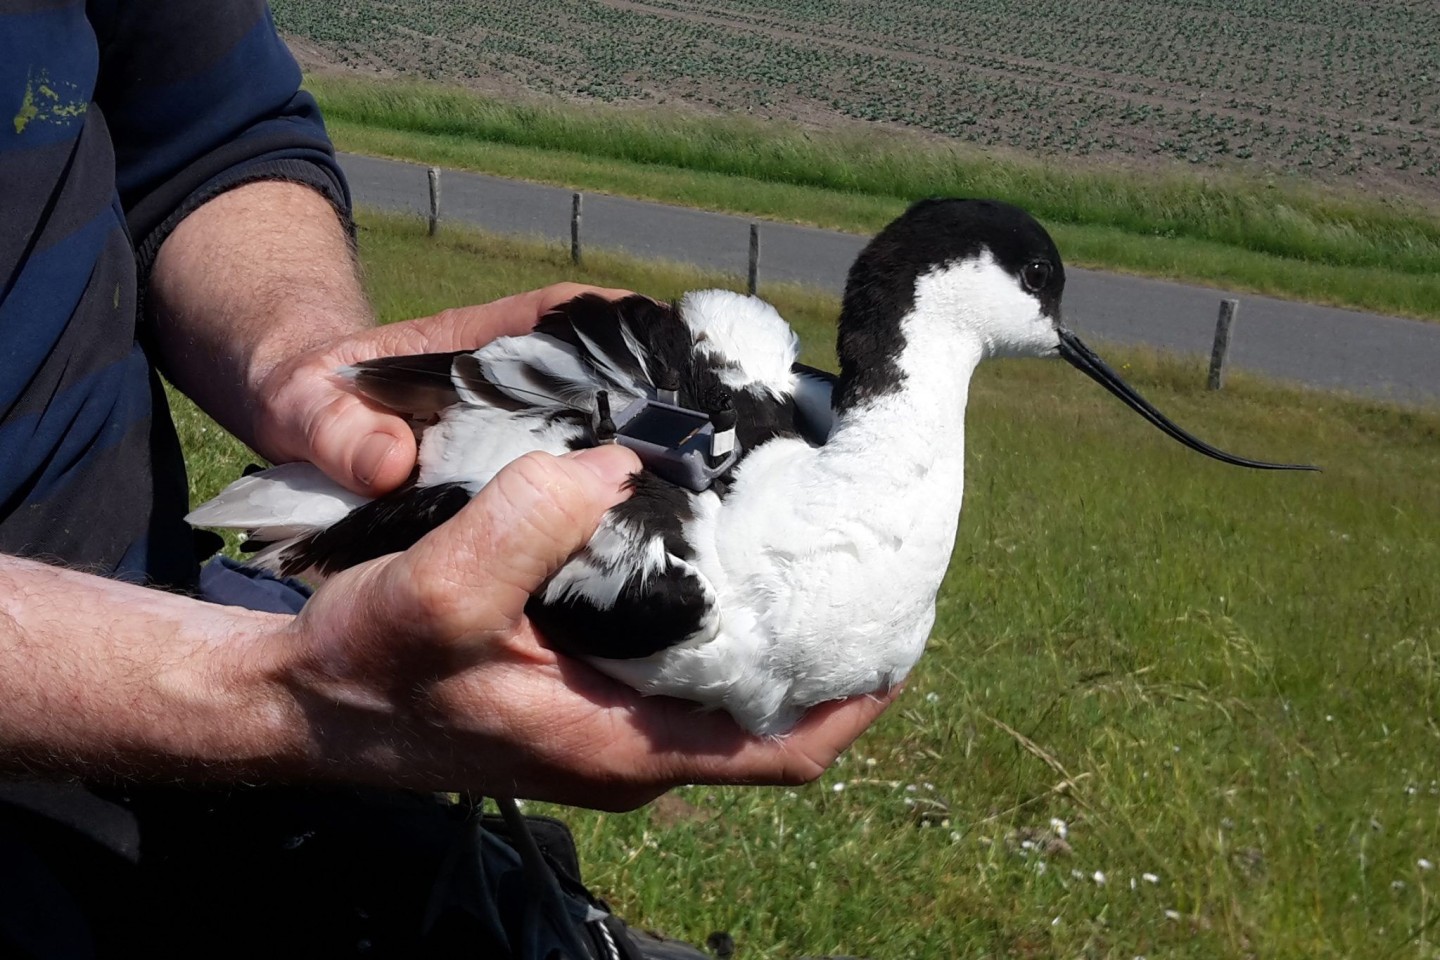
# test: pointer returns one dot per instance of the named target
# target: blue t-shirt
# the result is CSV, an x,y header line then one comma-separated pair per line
x,y
116,120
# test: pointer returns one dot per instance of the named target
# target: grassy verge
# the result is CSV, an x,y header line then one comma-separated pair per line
x,y
1170,708
1284,239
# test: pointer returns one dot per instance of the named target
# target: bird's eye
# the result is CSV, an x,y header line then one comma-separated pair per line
x,y
1035,275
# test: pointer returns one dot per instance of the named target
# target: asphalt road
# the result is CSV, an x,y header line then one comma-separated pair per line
x,y
1367,354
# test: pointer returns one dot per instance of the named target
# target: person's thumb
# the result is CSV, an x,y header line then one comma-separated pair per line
x,y
473,575
364,449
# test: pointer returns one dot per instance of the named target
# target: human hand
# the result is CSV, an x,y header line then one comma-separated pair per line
x,y
420,669
306,413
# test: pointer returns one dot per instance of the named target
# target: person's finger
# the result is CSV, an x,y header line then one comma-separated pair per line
x,y
473,576
467,328
798,757
361,447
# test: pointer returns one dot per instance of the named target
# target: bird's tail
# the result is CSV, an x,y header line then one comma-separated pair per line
x,y
277,508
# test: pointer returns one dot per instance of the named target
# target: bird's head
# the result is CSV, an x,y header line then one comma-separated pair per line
x,y
984,272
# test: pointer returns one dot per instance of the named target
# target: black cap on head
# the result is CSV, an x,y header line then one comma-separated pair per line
x,y
880,289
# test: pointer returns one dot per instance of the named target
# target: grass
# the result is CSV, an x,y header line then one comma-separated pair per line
x,y
1279,238
1214,690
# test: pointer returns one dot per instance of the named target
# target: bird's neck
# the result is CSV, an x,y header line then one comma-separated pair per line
x,y
917,424
889,487
895,471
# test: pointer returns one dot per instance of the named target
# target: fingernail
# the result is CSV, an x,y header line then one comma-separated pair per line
x,y
610,462
370,457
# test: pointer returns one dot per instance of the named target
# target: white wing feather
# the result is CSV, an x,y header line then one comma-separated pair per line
x,y
283,502
538,369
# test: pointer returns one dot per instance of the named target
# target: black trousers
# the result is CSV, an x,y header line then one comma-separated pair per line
x,y
224,873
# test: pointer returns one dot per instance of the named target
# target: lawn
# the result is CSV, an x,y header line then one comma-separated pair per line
x,y
1170,708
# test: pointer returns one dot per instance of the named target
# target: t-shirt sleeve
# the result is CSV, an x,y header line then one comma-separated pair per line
x,y
201,98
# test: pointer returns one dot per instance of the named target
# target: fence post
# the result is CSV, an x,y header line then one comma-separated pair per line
x,y
575,206
754,273
1228,309
434,175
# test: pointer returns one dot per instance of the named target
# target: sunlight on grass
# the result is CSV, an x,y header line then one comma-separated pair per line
x,y
1170,708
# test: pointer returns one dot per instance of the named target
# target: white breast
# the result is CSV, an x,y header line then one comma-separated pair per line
x,y
821,596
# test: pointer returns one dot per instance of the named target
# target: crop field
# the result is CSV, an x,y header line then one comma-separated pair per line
x,y
1325,89
1169,709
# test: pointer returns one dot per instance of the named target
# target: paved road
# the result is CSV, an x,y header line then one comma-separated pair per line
x,y
1367,354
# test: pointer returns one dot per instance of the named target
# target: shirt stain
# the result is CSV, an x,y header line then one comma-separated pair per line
x,y
44,103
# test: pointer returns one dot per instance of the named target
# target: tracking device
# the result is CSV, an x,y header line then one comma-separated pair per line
x,y
687,447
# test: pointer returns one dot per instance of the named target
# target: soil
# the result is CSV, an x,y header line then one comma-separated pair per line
x,y
1124,144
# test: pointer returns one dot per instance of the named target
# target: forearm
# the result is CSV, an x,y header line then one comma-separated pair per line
x,y
254,277
101,678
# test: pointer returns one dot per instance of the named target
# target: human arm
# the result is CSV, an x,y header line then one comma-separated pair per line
x,y
417,669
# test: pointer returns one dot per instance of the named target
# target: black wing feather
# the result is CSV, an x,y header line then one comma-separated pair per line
x,y
600,319
417,386
387,524
651,613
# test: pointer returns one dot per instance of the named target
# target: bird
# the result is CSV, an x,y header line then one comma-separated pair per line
x,y
784,545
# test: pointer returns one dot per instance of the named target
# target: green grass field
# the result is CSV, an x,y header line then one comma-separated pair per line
x,y
1170,708
1280,238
